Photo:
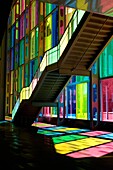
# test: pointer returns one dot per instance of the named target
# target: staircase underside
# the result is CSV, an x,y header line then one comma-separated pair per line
x,y
88,41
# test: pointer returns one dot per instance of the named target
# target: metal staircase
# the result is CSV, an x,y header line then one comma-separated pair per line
x,y
90,38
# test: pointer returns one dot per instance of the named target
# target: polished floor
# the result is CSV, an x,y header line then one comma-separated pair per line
x,y
45,146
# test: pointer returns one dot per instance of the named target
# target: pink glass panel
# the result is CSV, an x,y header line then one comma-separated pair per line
x,y
107,99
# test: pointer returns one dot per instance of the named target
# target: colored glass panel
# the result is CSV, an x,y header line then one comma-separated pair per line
x,y
26,49
36,14
69,13
27,2
46,111
71,101
22,26
22,6
48,33
21,57
52,56
81,101
13,15
27,21
36,41
17,31
16,56
32,44
33,15
13,36
12,58
61,21
33,68
107,99
106,61
20,78
48,8
81,79
26,75
8,62
9,39
9,21
17,9
55,28
12,84
54,112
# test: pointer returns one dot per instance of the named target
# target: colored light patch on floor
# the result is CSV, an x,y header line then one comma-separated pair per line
x,y
64,148
66,138
94,133
55,128
48,133
107,136
97,151
67,129
77,131
39,124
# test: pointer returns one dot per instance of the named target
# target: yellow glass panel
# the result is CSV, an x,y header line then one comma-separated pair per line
x,y
32,45
27,91
48,33
12,80
82,4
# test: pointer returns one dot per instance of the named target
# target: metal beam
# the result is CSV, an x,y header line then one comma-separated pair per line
x,y
74,72
44,104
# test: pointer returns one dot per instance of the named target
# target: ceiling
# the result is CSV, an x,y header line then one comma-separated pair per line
x,y
99,6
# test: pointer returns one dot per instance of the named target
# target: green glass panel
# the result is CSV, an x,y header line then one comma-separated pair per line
x,y
54,111
26,49
35,65
20,80
21,59
16,56
80,79
52,56
36,42
26,75
48,8
106,61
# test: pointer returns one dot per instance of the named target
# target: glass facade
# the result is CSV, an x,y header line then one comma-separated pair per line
x,y
36,30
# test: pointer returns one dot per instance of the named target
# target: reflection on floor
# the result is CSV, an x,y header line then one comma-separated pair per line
x,y
76,142
54,147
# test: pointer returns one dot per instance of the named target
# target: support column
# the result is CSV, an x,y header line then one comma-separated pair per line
x,y
2,77
95,97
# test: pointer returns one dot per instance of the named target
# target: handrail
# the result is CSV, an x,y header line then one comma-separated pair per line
x,y
48,60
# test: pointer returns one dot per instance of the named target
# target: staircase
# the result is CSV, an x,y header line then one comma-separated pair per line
x,y
86,44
